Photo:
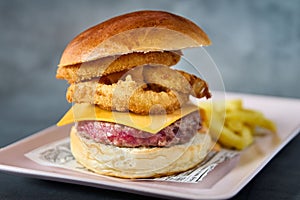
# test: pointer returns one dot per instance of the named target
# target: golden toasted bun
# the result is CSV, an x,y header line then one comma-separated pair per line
x,y
112,64
141,31
138,162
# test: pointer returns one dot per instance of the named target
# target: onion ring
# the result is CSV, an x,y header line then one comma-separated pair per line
x,y
142,90
176,80
126,95
112,64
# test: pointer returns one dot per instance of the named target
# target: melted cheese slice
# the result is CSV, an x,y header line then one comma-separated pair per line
x,y
148,123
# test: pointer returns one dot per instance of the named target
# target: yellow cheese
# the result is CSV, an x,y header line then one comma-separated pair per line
x,y
148,123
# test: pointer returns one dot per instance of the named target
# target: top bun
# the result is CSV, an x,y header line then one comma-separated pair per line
x,y
140,31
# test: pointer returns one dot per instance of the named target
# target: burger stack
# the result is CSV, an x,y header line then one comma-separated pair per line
x,y
131,111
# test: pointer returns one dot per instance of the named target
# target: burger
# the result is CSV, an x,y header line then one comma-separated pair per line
x,y
132,113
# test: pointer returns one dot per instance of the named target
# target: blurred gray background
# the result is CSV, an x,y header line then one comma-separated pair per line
x,y
256,45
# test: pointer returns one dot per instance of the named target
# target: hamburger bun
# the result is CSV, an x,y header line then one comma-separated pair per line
x,y
141,31
139,162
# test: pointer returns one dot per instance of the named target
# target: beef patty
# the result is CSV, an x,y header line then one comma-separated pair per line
x,y
120,135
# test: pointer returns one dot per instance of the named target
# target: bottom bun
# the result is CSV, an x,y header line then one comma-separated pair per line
x,y
139,162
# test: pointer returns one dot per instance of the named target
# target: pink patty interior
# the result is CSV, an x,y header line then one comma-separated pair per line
x,y
120,135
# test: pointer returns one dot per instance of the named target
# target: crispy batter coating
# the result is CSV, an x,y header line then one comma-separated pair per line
x,y
113,64
199,86
176,80
163,78
142,90
126,95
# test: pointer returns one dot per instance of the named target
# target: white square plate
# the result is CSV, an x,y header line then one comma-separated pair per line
x,y
283,111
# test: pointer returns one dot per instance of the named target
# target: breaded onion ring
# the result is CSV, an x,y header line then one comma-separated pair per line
x,y
176,80
142,90
126,95
199,86
112,64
